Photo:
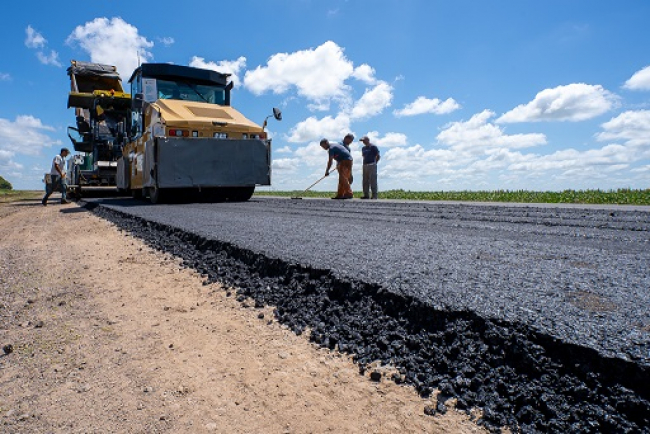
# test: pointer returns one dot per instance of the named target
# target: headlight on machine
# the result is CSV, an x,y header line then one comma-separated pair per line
x,y
178,133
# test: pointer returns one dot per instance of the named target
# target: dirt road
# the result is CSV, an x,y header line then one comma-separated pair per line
x,y
102,334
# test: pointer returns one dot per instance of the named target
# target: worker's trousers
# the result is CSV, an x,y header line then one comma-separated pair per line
x,y
345,172
370,180
57,183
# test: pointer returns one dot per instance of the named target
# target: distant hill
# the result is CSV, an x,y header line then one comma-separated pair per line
x,y
4,184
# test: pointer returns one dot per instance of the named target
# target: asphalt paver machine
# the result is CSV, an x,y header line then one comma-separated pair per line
x,y
102,116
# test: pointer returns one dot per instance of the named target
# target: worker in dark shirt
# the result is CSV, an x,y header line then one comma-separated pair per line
x,y
371,157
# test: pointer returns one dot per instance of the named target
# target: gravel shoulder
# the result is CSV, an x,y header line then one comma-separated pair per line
x,y
104,334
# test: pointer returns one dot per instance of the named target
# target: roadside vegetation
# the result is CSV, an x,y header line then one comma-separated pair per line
x,y
4,184
623,196
604,197
7,196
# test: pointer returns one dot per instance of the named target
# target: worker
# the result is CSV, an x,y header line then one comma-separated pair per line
x,y
57,178
349,138
343,157
371,157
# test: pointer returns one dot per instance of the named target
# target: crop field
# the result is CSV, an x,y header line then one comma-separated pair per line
x,y
19,195
622,196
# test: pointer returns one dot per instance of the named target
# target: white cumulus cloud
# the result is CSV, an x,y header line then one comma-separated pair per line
x,y
286,164
633,127
317,74
26,135
415,162
479,134
34,39
233,67
113,42
312,155
49,59
365,73
373,101
640,80
283,150
6,154
423,105
616,156
390,140
573,102
10,169
333,128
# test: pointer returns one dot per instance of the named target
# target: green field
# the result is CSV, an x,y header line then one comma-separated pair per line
x,y
614,197
19,195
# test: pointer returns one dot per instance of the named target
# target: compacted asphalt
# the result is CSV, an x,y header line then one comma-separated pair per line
x,y
576,273
539,315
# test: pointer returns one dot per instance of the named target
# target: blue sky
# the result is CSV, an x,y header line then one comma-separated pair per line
x,y
462,95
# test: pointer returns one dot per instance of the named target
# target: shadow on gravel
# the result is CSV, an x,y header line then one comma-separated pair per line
x,y
75,210
529,382
27,203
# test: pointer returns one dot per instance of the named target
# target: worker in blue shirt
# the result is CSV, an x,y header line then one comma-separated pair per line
x,y
343,157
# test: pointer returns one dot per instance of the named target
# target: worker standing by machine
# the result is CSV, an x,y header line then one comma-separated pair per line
x,y
56,178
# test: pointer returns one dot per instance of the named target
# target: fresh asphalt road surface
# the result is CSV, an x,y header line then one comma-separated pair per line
x,y
579,273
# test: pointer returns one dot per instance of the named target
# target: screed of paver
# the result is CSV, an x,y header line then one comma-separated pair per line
x,y
106,335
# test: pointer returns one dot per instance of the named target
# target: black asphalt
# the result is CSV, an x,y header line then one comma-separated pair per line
x,y
577,273
537,315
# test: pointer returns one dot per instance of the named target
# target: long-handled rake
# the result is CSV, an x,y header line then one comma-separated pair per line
x,y
307,189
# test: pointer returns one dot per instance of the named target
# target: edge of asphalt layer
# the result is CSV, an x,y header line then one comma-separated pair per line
x,y
612,207
517,376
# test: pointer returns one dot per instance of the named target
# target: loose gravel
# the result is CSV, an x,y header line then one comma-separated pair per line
x,y
539,316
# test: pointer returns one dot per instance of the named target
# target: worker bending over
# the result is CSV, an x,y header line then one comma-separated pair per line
x,y
343,157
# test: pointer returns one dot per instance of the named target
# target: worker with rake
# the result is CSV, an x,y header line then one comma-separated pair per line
x,y
343,157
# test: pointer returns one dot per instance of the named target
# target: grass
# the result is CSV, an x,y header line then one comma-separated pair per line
x,y
622,196
7,196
